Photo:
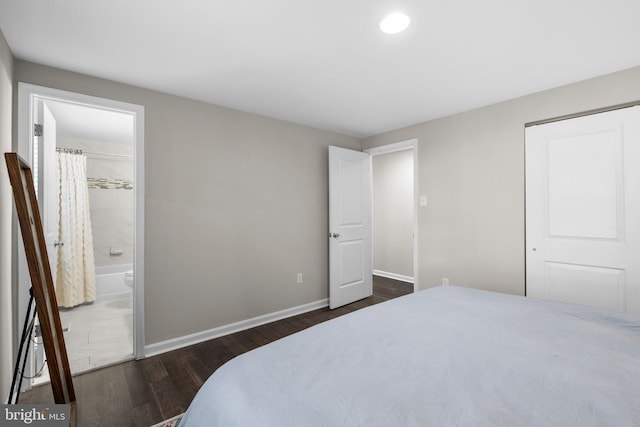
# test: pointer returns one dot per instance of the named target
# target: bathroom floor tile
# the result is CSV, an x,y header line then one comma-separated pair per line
x,y
98,334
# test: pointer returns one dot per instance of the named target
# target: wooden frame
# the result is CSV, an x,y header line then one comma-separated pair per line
x,y
41,281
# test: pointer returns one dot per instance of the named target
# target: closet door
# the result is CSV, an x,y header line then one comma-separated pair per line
x,y
583,210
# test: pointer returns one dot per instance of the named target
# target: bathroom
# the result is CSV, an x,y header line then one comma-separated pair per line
x,y
99,331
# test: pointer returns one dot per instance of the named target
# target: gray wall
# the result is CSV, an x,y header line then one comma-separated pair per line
x,y
471,167
393,213
227,228
6,209
235,205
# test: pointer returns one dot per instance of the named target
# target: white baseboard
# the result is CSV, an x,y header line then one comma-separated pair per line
x,y
198,337
393,276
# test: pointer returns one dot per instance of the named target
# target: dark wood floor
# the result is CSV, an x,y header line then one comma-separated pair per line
x,y
146,392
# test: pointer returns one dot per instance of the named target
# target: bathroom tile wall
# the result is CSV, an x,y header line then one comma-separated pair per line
x,y
111,198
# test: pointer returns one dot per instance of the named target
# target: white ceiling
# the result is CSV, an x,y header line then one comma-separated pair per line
x,y
325,63
92,124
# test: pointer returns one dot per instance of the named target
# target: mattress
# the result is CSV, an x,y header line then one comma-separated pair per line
x,y
447,356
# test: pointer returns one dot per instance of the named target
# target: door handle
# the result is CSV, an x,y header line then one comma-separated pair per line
x,y
334,235
56,244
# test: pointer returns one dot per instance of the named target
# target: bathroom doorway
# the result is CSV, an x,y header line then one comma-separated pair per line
x,y
94,245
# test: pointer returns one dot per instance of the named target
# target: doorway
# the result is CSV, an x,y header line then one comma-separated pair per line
x,y
62,131
350,222
394,172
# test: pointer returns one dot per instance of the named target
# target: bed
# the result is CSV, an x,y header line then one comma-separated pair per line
x,y
447,356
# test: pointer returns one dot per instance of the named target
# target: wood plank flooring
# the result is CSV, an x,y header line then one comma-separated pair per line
x,y
148,391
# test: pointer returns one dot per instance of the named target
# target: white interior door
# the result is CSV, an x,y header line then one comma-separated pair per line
x,y
48,181
350,275
583,210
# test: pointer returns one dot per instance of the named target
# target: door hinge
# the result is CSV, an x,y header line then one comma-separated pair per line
x,y
37,130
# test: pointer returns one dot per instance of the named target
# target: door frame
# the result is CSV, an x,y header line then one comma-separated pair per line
x,y
27,94
410,144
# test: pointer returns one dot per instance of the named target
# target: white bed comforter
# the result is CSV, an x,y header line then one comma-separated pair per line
x,y
447,356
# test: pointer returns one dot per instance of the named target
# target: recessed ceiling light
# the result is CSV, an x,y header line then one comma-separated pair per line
x,y
395,23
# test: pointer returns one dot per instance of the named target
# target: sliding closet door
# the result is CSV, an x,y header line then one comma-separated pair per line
x,y
583,210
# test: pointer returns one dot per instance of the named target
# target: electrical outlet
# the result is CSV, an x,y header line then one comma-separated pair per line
x,y
445,281
299,279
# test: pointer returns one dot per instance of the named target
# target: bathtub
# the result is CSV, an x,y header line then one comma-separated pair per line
x,y
110,282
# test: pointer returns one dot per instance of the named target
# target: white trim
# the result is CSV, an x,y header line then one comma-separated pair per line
x,y
138,256
198,337
410,144
392,148
393,276
26,94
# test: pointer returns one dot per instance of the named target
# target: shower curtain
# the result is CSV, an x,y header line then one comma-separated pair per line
x,y
76,276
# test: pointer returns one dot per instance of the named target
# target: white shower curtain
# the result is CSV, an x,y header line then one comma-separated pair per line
x,y
76,276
